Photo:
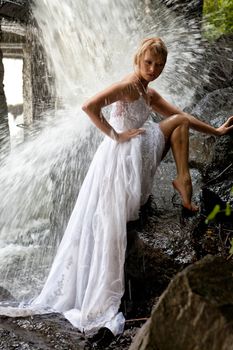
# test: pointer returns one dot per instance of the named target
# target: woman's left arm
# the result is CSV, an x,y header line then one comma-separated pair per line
x,y
166,109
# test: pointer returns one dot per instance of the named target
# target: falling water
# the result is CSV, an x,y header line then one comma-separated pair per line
x,y
89,44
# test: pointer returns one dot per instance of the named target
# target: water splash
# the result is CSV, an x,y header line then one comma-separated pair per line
x,y
33,181
89,45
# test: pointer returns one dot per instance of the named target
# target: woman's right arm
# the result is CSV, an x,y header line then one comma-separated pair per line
x,y
93,106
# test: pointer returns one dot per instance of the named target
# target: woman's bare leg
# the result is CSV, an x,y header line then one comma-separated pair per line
x,y
176,132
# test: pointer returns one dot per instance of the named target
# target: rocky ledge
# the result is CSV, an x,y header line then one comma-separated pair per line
x,y
195,312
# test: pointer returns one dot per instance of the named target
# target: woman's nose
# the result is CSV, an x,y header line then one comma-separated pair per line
x,y
152,68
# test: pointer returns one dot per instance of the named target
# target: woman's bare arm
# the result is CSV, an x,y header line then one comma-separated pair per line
x,y
166,109
93,106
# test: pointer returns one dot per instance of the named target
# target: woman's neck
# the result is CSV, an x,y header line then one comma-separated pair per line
x,y
142,83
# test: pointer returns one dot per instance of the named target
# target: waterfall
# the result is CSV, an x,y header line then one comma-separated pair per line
x,y
89,45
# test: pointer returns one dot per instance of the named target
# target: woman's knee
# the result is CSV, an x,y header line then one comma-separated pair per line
x,y
175,124
181,119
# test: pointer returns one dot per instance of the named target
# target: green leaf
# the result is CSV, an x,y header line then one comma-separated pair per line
x,y
231,249
231,193
228,209
213,213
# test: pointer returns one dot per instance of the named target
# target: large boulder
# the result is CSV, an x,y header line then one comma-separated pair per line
x,y
212,155
214,104
195,312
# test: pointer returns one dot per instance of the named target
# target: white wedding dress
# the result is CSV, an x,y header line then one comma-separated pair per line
x,y
86,281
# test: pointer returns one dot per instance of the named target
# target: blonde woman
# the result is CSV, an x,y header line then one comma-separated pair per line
x,y
86,281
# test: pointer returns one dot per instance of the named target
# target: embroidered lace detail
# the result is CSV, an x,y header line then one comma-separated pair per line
x,y
129,115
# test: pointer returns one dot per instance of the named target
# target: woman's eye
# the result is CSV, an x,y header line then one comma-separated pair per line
x,y
148,62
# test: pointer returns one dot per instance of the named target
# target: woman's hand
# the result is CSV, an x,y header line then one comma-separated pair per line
x,y
129,134
226,127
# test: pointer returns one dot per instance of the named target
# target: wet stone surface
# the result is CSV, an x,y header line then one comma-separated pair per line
x,y
52,331
156,252
39,332
196,310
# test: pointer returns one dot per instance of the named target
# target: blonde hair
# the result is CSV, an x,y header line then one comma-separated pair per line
x,y
155,44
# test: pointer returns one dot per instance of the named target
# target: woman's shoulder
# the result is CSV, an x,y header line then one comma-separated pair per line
x,y
130,82
153,93
125,85
125,88
129,79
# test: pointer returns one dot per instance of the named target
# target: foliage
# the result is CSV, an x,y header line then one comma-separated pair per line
x,y
218,17
217,209
231,249
227,210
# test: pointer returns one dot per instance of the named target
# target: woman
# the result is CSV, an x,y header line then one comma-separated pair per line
x,y
149,62
86,281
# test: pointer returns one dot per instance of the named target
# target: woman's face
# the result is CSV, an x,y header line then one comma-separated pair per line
x,y
150,65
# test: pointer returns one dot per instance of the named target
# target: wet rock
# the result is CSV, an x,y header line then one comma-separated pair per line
x,y
208,151
221,67
52,331
214,105
218,192
222,158
214,238
15,9
190,9
39,332
166,198
5,295
159,246
194,312
201,150
212,155
218,177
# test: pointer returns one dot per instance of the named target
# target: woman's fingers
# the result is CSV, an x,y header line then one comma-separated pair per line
x,y
129,134
229,125
230,121
226,127
135,132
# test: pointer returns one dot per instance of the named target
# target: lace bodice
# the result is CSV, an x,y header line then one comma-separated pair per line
x,y
127,115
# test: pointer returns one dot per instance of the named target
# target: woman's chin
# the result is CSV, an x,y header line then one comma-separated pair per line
x,y
150,78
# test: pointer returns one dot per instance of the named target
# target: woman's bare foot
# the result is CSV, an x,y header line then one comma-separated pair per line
x,y
184,187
